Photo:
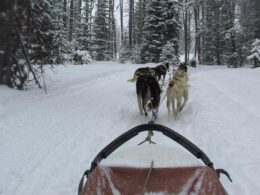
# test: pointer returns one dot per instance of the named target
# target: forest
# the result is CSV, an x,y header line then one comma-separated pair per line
x,y
165,91
39,34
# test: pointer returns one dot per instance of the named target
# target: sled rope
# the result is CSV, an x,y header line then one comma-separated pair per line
x,y
147,179
163,98
148,138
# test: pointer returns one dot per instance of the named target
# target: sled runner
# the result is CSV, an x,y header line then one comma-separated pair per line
x,y
151,168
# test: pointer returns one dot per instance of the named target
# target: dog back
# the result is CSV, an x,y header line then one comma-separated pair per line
x,y
142,71
147,84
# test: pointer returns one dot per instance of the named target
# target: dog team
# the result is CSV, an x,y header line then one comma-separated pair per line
x,y
149,82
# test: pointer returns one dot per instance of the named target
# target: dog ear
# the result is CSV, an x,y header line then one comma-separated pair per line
x,y
171,84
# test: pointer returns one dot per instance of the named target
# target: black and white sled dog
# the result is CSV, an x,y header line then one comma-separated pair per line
x,y
142,71
160,71
148,94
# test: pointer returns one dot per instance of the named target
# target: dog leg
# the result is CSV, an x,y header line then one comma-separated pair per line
x,y
163,79
140,104
144,108
168,104
185,96
179,101
173,109
155,113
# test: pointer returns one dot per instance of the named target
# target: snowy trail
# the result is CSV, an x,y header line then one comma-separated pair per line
x,y
48,140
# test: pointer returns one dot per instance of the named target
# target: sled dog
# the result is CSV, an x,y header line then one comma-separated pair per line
x,y
177,90
183,66
142,71
160,71
148,94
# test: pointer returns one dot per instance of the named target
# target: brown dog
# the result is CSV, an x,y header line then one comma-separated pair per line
x,y
142,71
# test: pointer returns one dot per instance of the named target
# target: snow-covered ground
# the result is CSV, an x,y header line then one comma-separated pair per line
x,y
48,140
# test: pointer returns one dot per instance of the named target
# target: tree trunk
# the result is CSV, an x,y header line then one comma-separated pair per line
x,y
79,14
71,20
186,33
122,21
198,40
257,20
130,24
189,35
196,30
114,30
7,41
65,14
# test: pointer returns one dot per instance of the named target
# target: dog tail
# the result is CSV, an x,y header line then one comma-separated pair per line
x,y
131,80
188,85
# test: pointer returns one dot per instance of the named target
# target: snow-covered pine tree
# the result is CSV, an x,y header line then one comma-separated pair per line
x,y
226,45
171,31
137,33
138,22
170,53
112,29
162,25
211,33
255,54
85,38
153,38
28,42
100,41
249,26
171,18
37,29
59,45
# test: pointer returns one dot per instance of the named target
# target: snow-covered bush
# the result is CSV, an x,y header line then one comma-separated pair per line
x,y
78,57
233,60
81,57
254,58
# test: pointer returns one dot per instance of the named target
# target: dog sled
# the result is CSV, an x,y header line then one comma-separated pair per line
x,y
151,168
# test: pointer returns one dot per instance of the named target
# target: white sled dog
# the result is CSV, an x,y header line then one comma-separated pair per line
x,y
177,90
142,71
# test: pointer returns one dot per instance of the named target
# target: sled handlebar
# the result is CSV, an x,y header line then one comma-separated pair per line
x,y
150,127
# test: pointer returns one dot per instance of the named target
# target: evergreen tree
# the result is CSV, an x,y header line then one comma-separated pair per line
x,y
255,54
100,42
59,42
153,38
161,25
170,53
211,32
171,18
